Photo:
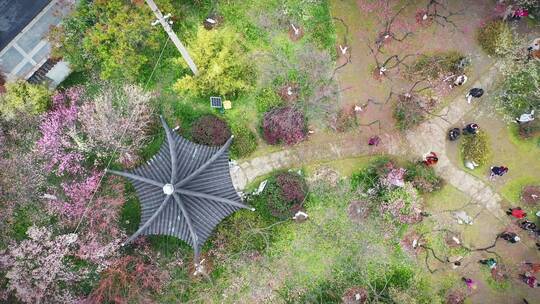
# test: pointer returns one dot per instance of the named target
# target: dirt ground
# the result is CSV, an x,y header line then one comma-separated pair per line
x,y
359,86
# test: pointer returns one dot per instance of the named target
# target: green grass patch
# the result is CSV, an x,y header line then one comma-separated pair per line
x,y
525,145
345,167
447,198
22,220
512,189
492,283
75,78
130,214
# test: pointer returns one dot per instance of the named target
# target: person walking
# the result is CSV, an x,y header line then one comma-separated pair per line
x,y
498,171
491,263
516,212
510,237
460,80
474,93
529,279
454,134
471,129
528,226
469,282
525,117
430,159
374,141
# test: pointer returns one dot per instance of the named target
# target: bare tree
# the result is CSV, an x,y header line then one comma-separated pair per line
x,y
438,11
389,31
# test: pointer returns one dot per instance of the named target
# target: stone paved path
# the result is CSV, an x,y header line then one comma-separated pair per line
x,y
431,136
341,146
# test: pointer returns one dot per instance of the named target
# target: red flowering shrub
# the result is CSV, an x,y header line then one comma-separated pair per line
x,y
285,194
210,130
284,125
292,187
129,280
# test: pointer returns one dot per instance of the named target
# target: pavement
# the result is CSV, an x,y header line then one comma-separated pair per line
x,y
25,25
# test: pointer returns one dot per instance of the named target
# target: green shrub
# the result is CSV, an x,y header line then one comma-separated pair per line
x,y
321,28
475,148
496,38
439,64
520,91
220,59
423,178
245,141
409,112
368,177
22,96
241,233
266,100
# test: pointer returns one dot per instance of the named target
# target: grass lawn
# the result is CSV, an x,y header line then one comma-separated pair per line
x,y
315,261
345,167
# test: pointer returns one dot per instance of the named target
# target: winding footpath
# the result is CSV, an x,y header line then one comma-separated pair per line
x,y
429,136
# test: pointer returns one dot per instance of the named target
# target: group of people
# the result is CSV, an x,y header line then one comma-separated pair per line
x,y
528,277
525,224
473,129
430,159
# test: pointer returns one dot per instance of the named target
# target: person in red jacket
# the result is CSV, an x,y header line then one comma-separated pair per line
x,y
516,212
430,159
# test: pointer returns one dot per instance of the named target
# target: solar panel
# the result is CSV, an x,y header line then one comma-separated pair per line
x,y
215,102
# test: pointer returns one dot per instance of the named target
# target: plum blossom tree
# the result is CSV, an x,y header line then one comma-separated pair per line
x,y
56,146
35,268
117,122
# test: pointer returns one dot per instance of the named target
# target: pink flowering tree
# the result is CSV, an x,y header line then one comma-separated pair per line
x,y
117,122
83,198
56,145
100,236
35,268
73,195
396,177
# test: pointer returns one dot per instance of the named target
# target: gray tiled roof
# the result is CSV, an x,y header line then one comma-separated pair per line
x,y
203,191
15,15
24,26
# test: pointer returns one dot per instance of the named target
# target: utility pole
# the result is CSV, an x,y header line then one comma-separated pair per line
x,y
172,35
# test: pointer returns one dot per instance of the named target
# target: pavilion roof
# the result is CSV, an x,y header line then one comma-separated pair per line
x,y
185,190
